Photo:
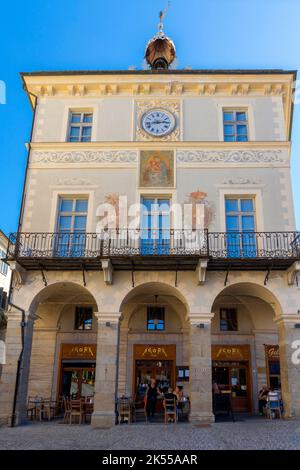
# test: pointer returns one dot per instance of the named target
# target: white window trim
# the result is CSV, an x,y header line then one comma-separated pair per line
x,y
236,105
73,107
255,194
56,195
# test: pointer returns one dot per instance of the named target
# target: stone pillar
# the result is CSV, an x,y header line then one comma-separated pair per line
x,y
9,374
289,352
123,348
106,370
200,369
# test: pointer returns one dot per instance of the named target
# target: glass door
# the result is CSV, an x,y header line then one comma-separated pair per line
x,y
234,377
78,381
155,226
240,228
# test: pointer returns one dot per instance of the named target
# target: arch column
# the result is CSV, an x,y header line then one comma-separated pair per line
x,y
10,369
200,369
289,352
106,369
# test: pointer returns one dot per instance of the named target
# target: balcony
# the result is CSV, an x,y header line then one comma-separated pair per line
x,y
155,250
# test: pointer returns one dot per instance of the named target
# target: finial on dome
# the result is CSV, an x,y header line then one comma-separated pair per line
x,y
160,50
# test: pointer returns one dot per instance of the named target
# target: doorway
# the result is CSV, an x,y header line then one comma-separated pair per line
x,y
234,377
160,370
77,380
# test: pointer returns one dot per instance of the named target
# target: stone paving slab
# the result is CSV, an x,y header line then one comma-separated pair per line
x,y
249,434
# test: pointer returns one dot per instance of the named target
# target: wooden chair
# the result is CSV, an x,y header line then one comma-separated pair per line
x,y
47,409
31,408
76,411
140,408
273,405
170,410
67,410
124,410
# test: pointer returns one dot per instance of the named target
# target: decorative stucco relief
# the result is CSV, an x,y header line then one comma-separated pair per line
x,y
231,156
142,106
241,180
118,156
73,182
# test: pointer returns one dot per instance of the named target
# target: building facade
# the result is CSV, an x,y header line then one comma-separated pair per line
x,y
104,309
5,276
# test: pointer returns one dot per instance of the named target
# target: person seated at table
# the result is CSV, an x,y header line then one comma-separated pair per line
x,y
262,398
170,395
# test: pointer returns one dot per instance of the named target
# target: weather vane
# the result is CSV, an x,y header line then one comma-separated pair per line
x,y
162,14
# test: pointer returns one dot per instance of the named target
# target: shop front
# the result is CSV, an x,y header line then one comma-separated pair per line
x,y
77,370
231,373
153,362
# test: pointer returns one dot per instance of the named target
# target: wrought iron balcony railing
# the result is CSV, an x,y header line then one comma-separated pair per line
x,y
236,248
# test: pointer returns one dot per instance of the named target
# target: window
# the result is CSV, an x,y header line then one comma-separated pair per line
x,y
3,265
155,318
71,226
83,318
80,129
228,319
240,227
155,226
235,126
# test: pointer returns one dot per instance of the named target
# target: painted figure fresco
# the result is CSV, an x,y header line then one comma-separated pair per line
x,y
157,169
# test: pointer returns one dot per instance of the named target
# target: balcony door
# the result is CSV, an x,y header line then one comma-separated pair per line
x,y
240,227
155,226
71,227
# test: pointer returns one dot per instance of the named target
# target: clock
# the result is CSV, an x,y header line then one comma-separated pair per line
x,y
158,122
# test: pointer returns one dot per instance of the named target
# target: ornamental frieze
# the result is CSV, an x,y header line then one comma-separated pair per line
x,y
231,156
118,156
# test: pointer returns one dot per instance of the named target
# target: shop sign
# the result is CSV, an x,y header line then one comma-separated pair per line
x,y
272,352
155,351
227,353
79,351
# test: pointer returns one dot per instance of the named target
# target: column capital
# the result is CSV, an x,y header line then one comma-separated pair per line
x,y
287,319
197,318
108,317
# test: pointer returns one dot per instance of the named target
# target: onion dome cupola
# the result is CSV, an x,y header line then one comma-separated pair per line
x,y
160,50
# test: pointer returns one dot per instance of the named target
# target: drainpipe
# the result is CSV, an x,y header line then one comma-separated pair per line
x,y
22,324
9,303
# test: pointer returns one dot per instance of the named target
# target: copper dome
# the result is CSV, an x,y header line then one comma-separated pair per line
x,y
160,51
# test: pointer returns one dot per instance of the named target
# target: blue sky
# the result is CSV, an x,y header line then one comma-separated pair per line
x,y
111,34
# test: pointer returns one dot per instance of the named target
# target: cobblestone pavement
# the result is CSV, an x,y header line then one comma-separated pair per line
x,y
248,434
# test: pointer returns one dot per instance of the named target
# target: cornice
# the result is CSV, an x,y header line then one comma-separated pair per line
x,y
134,145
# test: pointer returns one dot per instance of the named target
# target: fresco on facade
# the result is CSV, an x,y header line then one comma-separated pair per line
x,y
156,169
200,197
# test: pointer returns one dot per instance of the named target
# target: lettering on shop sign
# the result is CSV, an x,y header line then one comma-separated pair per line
x,y
79,350
229,352
272,352
154,352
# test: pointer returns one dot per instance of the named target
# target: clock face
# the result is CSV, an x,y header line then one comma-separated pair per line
x,y
158,122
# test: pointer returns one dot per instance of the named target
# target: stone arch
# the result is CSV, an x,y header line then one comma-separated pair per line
x,y
158,288
62,291
250,289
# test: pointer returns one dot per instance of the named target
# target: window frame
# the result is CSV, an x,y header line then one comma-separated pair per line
x,y
77,309
81,125
72,213
228,309
235,123
163,319
239,213
3,265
